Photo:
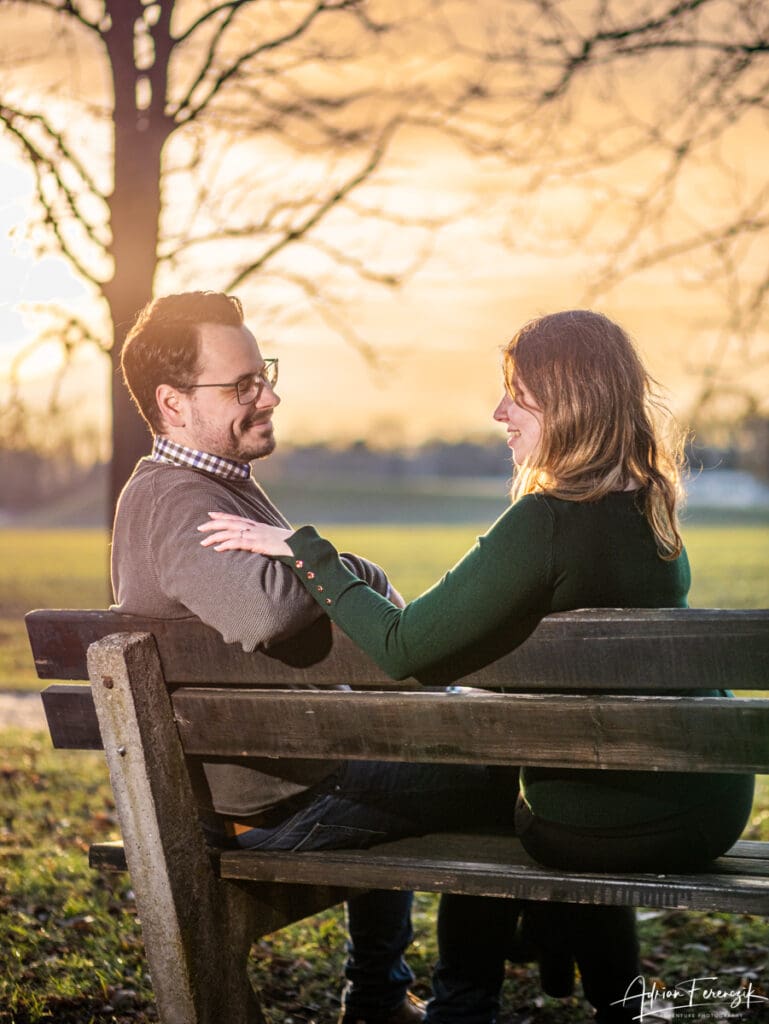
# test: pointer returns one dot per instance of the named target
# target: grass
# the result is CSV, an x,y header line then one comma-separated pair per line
x,y
45,569
70,942
730,566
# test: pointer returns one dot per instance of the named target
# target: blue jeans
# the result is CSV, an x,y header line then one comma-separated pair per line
x,y
367,802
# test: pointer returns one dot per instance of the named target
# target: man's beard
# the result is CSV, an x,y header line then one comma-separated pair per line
x,y
266,448
249,451
239,447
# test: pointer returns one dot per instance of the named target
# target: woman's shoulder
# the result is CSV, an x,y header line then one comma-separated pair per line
x,y
530,512
629,498
611,507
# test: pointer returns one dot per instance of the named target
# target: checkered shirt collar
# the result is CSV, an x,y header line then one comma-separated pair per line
x,y
164,450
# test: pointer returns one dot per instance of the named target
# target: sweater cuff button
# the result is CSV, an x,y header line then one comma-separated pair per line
x,y
310,575
328,600
299,563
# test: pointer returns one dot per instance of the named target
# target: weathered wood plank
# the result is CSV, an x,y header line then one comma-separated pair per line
x,y
498,866
603,649
490,866
465,846
654,733
750,849
110,856
194,653
71,717
668,733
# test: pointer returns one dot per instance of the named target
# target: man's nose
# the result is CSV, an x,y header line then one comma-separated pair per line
x,y
267,397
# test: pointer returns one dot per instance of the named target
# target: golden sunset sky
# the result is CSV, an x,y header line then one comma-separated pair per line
x,y
501,258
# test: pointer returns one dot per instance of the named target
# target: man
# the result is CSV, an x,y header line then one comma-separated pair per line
x,y
199,379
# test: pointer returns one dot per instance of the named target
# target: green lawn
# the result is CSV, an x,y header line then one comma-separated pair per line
x,y
45,569
70,943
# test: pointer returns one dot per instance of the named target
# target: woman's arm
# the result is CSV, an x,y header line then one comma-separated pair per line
x,y
505,577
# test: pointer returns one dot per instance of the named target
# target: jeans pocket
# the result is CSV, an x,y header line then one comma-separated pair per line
x,y
338,837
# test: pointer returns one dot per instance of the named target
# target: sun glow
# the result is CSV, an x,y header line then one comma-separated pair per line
x,y
357,353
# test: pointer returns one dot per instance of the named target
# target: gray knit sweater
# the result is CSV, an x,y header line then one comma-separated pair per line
x,y
159,569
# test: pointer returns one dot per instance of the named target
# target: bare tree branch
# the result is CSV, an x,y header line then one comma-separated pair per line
x,y
187,109
230,7
333,317
66,7
303,229
555,92
52,167
69,333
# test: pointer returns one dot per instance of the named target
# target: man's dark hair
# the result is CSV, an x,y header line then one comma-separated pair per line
x,y
163,345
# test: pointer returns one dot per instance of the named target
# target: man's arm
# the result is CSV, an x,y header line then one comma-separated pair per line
x,y
160,569
371,573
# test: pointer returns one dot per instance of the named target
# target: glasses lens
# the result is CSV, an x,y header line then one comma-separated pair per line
x,y
250,388
270,371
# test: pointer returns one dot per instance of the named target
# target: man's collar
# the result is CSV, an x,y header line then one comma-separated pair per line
x,y
164,450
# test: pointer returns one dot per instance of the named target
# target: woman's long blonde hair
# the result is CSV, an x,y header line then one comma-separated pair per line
x,y
604,427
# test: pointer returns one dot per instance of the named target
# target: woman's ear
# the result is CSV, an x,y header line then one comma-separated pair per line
x,y
171,404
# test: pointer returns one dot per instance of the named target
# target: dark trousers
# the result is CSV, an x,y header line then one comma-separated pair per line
x,y
684,842
367,802
474,934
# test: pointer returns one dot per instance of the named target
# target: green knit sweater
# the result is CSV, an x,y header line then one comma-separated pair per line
x,y
542,555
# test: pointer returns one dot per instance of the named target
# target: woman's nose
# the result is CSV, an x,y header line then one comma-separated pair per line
x,y
500,413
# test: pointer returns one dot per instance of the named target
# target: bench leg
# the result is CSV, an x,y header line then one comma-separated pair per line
x,y
197,928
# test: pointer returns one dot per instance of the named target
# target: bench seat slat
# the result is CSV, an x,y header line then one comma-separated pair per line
x,y
496,866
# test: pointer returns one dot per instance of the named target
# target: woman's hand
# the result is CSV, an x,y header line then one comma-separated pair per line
x,y
236,533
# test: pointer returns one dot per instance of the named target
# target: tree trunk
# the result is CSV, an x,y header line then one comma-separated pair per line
x,y
135,203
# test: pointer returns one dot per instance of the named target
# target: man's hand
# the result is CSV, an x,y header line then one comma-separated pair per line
x,y
395,597
236,533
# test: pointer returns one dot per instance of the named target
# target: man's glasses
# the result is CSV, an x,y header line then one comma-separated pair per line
x,y
248,389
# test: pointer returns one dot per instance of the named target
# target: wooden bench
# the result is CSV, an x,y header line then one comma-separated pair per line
x,y
163,690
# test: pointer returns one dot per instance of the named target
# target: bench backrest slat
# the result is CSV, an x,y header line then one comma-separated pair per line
x,y
71,717
603,649
661,733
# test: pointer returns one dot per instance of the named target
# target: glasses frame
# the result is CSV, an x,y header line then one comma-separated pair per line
x,y
268,375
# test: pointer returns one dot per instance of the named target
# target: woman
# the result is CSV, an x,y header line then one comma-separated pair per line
x,y
593,523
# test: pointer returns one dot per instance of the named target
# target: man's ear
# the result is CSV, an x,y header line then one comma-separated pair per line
x,y
170,404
